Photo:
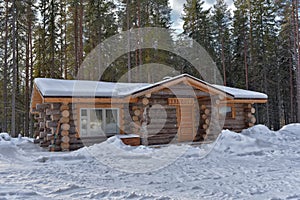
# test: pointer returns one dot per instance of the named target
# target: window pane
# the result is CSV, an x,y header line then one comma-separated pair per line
x,y
226,111
83,126
83,122
96,122
83,112
111,126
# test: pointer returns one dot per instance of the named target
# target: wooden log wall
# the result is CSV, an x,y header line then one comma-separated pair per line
x,y
243,117
236,123
56,125
145,112
162,128
209,128
41,130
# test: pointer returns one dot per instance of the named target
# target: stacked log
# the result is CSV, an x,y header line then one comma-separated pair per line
x,y
36,126
136,113
209,119
250,118
73,133
41,130
55,127
204,121
65,127
51,125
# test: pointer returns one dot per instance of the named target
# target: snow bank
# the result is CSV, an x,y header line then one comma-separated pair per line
x,y
258,140
255,141
238,144
11,149
139,159
113,143
291,132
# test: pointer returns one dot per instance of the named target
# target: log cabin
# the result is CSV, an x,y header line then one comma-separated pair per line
x,y
71,114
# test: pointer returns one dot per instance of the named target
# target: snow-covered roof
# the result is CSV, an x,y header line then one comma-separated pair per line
x,y
240,93
83,88
67,88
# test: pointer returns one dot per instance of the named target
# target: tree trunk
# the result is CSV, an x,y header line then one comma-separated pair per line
x,y
76,40
246,61
223,61
31,80
27,88
128,43
5,68
14,77
80,57
298,59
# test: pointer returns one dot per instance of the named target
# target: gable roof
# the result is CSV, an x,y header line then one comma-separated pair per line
x,y
53,88
235,93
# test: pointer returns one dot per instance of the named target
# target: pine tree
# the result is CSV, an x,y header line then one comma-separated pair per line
x,y
240,43
197,23
30,19
5,34
48,39
295,17
140,14
263,52
221,37
14,70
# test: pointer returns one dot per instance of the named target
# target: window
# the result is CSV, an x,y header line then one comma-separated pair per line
x,y
99,121
227,111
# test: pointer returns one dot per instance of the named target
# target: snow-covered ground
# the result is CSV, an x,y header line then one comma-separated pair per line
x,y
257,164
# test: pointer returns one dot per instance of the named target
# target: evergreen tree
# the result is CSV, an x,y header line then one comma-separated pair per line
x,y
48,45
221,37
263,30
197,23
5,51
140,14
240,43
30,20
14,70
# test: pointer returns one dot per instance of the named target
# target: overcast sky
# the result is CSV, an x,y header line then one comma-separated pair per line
x,y
177,9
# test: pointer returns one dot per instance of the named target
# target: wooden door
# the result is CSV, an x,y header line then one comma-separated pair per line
x,y
185,117
185,114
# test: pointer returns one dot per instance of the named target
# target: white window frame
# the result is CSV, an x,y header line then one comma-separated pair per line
x,y
87,131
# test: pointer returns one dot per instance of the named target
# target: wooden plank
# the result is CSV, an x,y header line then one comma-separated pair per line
x,y
36,98
206,88
244,101
134,141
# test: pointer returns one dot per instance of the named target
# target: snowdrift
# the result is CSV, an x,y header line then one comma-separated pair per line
x,y
258,140
255,164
